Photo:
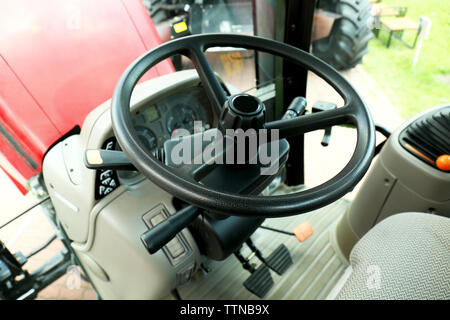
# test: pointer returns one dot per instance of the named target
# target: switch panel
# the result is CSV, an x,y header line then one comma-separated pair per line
x,y
178,247
106,180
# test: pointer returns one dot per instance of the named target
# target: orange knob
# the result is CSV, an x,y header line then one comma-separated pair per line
x,y
303,231
443,162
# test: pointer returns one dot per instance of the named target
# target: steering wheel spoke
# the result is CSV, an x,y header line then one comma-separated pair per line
x,y
311,122
214,90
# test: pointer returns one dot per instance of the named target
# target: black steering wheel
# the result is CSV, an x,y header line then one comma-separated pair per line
x,y
182,182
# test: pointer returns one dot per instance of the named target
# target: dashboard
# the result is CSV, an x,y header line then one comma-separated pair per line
x,y
156,121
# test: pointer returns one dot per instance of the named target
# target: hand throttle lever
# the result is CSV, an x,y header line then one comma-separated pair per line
x,y
158,236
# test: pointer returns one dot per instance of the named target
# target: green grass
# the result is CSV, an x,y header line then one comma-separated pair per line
x,y
413,89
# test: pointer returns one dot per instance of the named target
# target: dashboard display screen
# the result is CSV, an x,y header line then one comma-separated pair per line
x,y
151,113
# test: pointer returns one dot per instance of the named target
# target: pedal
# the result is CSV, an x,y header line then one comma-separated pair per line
x,y
260,281
279,260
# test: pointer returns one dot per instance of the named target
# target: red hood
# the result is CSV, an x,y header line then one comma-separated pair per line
x,y
58,61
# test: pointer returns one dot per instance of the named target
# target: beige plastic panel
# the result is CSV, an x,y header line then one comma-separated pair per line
x,y
132,272
106,233
370,198
399,182
73,202
403,199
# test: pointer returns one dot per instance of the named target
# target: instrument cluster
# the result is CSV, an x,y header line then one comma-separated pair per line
x,y
156,122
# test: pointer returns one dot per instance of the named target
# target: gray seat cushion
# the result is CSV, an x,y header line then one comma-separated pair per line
x,y
406,256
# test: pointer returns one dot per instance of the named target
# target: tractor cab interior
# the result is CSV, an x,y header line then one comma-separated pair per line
x,y
192,185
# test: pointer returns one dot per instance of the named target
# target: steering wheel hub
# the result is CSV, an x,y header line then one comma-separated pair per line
x,y
242,111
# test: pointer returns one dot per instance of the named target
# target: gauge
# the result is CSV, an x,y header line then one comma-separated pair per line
x,y
151,113
147,137
181,117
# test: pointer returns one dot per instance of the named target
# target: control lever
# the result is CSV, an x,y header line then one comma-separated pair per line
x,y
113,159
324,106
386,133
158,236
107,159
295,109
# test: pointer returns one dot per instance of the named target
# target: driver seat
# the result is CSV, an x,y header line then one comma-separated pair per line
x,y
406,256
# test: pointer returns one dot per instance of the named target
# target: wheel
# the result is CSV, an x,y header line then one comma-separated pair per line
x,y
197,184
348,41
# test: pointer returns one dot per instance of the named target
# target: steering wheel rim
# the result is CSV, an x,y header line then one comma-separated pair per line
x,y
354,112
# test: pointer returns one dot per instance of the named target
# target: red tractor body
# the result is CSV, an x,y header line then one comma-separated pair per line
x,y
58,61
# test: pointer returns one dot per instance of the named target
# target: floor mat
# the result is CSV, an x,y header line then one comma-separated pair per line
x,y
316,268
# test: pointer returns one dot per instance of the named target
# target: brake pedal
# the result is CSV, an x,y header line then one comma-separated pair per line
x,y
260,281
279,260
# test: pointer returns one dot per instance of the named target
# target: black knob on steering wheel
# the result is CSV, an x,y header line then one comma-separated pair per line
x,y
182,182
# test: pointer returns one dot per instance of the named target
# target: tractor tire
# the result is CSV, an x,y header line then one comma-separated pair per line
x,y
349,38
